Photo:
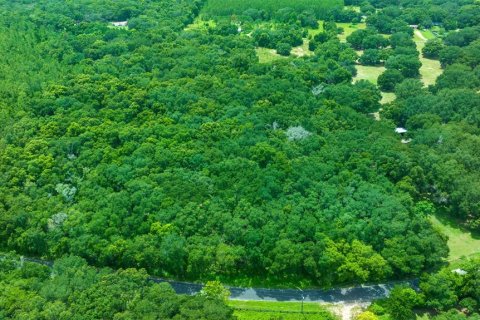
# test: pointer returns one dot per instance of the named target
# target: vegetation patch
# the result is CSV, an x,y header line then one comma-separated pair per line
x,y
462,243
349,28
430,69
266,55
260,310
228,7
369,73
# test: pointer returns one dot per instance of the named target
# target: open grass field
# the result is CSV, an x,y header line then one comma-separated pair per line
x,y
302,51
266,310
369,73
313,32
430,69
460,242
228,7
267,55
349,28
199,24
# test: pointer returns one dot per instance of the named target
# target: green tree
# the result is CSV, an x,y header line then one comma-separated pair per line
x,y
215,290
388,80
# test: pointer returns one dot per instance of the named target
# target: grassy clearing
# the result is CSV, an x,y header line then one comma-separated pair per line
x,y
199,24
349,28
387,97
369,73
460,242
228,7
313,32
260,310
277,305
267,55
302,50
430,69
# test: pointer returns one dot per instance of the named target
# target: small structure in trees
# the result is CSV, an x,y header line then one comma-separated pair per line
x,y
460,272
297,133
119,23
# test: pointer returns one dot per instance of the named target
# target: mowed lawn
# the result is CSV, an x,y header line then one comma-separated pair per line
x,y
260,310
369,73
348,29
460,242
430,69
266,55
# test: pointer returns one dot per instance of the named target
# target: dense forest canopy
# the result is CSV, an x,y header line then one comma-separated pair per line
x,y
158,146
178,152
73,290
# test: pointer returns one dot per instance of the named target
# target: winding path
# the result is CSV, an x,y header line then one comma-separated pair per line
x,y
358,294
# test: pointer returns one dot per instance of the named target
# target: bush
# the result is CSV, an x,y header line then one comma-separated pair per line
x,y
432,48
370,57
408,65
389,79
284,49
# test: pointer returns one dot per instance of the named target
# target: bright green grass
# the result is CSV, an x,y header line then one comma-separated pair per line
x,y
199,24
267,55
228,7
460,242
261,315
349,28
427,34
369,73
313,32
266,310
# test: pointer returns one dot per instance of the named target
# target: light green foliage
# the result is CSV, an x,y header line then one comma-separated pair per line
x,y
367,315
279,310
74,290
215,290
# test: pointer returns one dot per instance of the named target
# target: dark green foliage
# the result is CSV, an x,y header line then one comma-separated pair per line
x,y
432,48
450,55
283,49
458,76
370,57
401,39
229,7
389,79
409,66
451,293
367,39
282,34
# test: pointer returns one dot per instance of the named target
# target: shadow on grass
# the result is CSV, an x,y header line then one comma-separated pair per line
x,y
457,223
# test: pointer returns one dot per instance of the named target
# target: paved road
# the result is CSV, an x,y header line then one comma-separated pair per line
x,y
357,294
337,295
